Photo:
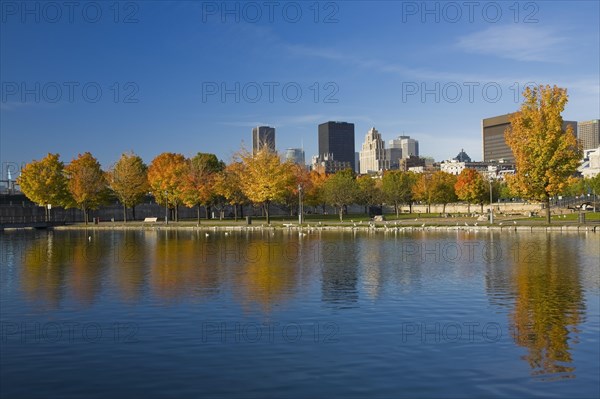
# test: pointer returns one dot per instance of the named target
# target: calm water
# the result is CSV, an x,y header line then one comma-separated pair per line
x,y
182,314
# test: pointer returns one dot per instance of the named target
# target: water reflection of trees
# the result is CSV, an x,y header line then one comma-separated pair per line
x,y
548,302
180,267
43,270
130,263
53,262
269,271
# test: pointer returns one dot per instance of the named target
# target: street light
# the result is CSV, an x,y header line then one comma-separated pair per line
x,y
300,207
166,207
491,204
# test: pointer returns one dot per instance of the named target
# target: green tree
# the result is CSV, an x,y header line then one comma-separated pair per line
x,y
165,176
44,182
470,187
341,190
397,187
443,188
369,192
266,178
128,179
86,183
546,155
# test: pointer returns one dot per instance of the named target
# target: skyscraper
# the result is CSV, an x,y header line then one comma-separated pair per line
x,y
337,139
494,144
407,145
263,136
296,155
588,133
372,154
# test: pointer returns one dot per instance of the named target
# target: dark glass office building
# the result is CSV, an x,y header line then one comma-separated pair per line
x,y
263,136
337,139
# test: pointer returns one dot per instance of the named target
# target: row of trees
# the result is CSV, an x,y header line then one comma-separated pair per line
x,y
262,179
546,159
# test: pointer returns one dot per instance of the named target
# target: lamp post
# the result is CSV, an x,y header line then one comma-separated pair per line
x,y
166,207
491,204
300,207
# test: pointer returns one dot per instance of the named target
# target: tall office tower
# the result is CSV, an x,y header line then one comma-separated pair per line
x,y
296,155
494,144
263,136
407,145
337,139
372,154
588,134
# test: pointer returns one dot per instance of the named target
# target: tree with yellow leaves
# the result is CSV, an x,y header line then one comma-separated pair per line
x,y
165,176
228,185
44,182
86,183
266,178
128,179
545,154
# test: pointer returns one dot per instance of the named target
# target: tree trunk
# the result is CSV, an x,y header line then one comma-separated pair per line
x,y
266,210
176,213
341,213
444,209
482,207
469,208
428,208
133,213
124,213
207,209
410,207
46,214
198,214
235,217
396,209
548,218
85,215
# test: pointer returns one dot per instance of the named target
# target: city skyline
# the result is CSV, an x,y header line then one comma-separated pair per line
x,y
206,94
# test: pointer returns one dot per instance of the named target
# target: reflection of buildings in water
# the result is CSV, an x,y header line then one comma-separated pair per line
x,y
339,270
371,256
548,302
590,251
499,284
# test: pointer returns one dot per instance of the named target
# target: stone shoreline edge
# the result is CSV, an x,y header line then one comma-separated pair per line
x,y
363,228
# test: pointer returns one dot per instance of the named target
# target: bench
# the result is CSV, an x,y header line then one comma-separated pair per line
x,y
150,220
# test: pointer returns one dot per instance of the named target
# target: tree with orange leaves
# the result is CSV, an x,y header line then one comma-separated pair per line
x,y
545,154
165,175
198,181
470,187
313,195
86,183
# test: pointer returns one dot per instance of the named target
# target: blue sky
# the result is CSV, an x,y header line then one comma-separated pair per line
x,y
160,67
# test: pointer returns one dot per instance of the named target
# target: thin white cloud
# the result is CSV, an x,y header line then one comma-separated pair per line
x,y
517,42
